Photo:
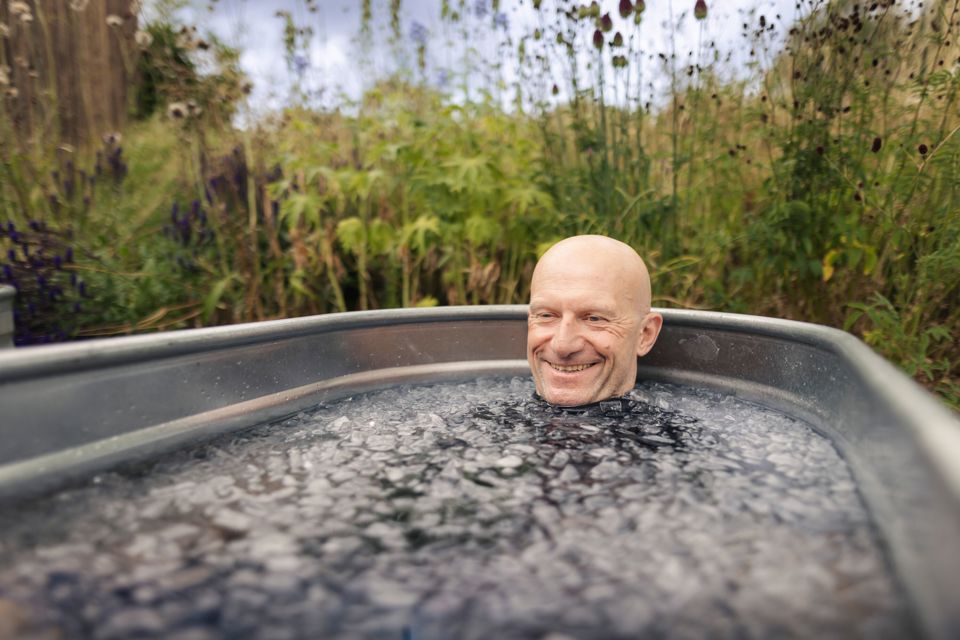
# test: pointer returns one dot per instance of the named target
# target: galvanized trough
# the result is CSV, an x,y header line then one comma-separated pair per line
x,y
69,410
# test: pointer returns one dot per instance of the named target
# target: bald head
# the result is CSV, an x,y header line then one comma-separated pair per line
x,y
589,320
613,264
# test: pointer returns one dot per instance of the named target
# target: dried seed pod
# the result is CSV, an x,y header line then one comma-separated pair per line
x,y
606,22
700,10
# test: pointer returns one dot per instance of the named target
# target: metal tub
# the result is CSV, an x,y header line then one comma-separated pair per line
x,y
69,410
7,294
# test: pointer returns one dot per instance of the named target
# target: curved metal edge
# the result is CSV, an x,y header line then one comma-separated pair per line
x,y
101,352
22,480
7,296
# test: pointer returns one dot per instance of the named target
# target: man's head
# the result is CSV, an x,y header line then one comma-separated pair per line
x,y
589,320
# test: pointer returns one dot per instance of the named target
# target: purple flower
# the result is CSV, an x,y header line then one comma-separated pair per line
x,y
300,64
500,20
480,8
418,34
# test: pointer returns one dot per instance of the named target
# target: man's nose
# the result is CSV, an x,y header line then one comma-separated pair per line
x,y
567,339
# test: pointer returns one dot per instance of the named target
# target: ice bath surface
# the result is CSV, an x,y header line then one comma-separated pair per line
x,y
465,511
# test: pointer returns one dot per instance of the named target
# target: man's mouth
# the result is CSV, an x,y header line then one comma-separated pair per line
x,y
571,368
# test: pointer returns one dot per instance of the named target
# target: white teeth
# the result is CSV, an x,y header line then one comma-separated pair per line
x,y
571,368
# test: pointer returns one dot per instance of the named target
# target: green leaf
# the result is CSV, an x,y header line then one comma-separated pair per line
x,y
213,298
481,230
351,234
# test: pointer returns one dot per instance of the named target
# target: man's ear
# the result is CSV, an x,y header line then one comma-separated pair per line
x,y
650,329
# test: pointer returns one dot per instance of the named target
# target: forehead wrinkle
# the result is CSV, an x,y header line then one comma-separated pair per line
x,y
599,276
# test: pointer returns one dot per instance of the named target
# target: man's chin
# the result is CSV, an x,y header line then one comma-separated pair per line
x,y
569,397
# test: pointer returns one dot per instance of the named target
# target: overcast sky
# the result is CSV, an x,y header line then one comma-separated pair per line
x,y
338,63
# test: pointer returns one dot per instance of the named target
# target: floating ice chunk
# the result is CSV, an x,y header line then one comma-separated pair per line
x,y
386,593
560,460
231,521
569,474
339,424
381,443
509,462
131,622
606,470
602,452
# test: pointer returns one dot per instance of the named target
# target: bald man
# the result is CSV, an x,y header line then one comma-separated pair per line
x,y
589,320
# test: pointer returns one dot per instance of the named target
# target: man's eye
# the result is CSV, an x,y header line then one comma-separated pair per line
x,y
595,318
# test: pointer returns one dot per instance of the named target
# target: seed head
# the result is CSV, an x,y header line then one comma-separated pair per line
x,y
176,110
626,8
143,39
606,22
113,20
700,10
12,92
26,18
617,40
18,7
598,39
877,143
4,30
639,8
922,149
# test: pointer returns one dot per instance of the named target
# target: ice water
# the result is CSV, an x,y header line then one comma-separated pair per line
x,y
467,510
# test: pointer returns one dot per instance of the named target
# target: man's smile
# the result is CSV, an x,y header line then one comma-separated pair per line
x,y
570,368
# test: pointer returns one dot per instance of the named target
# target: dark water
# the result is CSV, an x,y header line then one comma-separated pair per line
x,y
465,511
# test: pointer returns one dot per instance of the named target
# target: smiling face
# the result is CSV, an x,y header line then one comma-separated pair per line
x,y
589,320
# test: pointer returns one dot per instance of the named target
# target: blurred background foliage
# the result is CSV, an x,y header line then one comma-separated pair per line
x,y
817,179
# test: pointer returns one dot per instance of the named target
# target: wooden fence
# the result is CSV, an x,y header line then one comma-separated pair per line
x,y
67,66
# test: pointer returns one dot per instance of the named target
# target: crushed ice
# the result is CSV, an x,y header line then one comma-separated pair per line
x,y
465,510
